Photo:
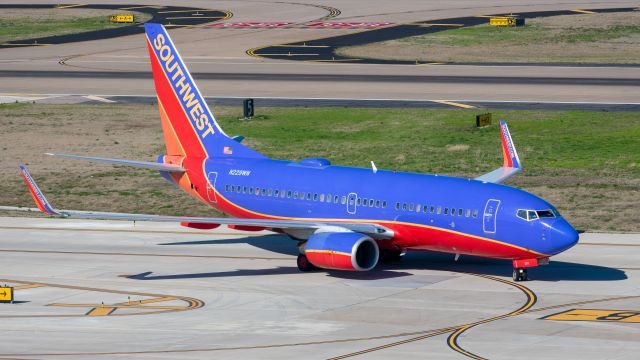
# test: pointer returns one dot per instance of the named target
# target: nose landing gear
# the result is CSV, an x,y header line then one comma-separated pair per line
x,y
520,275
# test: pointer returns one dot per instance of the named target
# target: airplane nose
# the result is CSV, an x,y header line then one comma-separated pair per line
x,y
563,236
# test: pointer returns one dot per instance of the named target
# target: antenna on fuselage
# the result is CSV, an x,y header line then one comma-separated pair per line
x,y
373,167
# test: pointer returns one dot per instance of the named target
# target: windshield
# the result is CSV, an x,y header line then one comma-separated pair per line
x,y
531,215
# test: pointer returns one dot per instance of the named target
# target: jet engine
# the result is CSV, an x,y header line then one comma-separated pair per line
x,y
342,251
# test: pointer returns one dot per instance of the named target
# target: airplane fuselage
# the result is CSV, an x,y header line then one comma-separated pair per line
x,y
426,212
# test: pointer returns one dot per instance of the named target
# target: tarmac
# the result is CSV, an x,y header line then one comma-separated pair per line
x,y
111,290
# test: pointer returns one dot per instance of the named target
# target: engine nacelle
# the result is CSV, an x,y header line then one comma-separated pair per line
x,y
342,251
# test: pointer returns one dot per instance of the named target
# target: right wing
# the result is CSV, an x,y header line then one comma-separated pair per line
x,y
374,230
511,164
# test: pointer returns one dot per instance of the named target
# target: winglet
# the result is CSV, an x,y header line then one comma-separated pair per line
x,y
36,193
509,153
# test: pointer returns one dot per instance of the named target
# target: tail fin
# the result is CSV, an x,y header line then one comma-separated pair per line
x,y
188,125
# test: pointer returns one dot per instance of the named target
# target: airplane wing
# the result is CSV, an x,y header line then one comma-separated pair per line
x,y
374,230
142,164
511,165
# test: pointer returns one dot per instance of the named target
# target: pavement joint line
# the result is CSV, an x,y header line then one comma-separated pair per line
x,y
301,46
194,17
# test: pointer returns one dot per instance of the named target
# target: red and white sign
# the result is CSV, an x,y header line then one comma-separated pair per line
x,y
347,24
251,24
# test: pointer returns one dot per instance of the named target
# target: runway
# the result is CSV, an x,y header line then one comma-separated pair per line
x,y
150,290
218,58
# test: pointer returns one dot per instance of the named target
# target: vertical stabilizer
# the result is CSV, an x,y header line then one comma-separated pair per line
x,y
189,127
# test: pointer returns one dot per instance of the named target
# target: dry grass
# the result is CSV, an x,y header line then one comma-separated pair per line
x,y
589,38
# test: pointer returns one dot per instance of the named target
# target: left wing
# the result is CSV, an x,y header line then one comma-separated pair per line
x,y
374,230
511,164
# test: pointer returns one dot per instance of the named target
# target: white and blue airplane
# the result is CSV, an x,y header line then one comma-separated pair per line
x,y
343,218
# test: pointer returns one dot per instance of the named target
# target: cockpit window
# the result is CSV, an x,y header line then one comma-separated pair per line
x,y
530,215
545,214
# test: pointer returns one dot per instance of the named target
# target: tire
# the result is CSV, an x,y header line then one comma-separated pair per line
x,y
304,264
516,277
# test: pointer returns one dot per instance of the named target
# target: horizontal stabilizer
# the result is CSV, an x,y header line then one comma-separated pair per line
x,y
141,164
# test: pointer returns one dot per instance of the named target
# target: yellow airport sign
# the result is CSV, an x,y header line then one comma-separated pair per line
x,y
506,21
627,316
127,18
6,294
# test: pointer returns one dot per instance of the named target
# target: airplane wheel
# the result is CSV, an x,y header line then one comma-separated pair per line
x,y
304,264
520,275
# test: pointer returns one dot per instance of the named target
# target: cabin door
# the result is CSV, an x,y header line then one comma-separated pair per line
x,y
211,185
351,203
489,217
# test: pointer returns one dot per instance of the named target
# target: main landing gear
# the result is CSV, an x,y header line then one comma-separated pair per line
x,y
520,275
304,264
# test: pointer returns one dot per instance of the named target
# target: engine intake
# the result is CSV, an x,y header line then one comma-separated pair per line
x,y
342,251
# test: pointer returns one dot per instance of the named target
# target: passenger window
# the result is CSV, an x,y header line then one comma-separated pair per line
x,y
264,191
459,212
475,214
289,194
231,188
411,206
446,210
370,202
282,193
404,206
467,213
238,188
308,196
377,203
321,197
439,210
418,206
432,209
532,215
344,200
244,190
315,197
251,190
453,211
335,199
364,202
351,201
384,204
425,208
397,206
257,191
295,195
358,201
276,192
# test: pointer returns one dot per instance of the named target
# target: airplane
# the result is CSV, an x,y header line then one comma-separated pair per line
x,y
343,218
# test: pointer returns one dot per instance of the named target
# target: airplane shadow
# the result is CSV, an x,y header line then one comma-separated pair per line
x,y
280,244
555,271
413,260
